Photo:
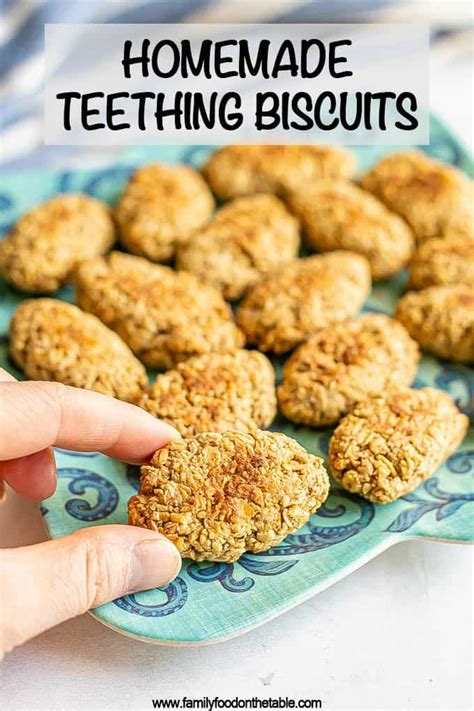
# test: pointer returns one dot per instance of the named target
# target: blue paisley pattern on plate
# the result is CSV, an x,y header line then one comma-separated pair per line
x,y
461,462
318,536
176,594
82,480
224,572
443,502
211,600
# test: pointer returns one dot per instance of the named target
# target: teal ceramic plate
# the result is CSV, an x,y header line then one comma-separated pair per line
x,y
209,602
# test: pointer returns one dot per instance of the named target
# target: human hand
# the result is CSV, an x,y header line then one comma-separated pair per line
x,y
44,584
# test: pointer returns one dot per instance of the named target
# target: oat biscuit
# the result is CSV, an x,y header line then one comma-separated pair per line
x,y
443,261
291,304
161,207
216,496
344,364
335,214
441,319
215,392
164,316
386,446
48,242
235,171
247,238
54,340
432,197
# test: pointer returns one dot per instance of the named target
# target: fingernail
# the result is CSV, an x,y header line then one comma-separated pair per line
x,y
171,432
156,562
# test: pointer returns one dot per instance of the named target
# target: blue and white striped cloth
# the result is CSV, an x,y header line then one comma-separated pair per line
x,y
21,50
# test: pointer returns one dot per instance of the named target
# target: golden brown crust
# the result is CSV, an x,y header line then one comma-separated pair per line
x,y
48,242
215,392
336,214
54,340
161,207
441,319
247,238
443,261
216,496
164,316
344,364
290,305
386,446
432,197
235,171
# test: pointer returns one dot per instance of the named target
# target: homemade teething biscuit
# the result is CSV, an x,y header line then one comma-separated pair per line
x,y
218,495
344,364
215,392
48,242
441,319
246,239
386,446
432,197
336,214
235,171
164,316
290,305
442,261
54,340
161,207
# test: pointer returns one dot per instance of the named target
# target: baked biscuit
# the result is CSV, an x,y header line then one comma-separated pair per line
x,y
344,364
48,242
218,495
54,340
441,319
164,316
442,261
247,238
235,171
388,445
432,197
215,392
336,214
289,305
161,207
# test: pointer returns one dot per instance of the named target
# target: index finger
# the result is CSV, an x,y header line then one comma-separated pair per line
x,y
35,415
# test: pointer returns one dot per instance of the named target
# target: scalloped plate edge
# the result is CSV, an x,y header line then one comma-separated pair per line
x,y
385,543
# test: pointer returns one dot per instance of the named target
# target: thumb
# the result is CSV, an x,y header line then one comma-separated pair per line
x,y
47,583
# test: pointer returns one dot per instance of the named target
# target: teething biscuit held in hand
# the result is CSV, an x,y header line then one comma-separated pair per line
x,y
216,496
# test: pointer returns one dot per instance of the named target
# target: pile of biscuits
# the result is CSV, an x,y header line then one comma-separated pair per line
x,y
162,302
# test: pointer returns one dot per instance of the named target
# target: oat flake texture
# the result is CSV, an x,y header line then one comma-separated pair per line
x,y
217,496
48,242
432,197
54,340
386,446
161,207
441,261
441,319
344,364
336,214
247,238
215,392
164,316
235,171
304,296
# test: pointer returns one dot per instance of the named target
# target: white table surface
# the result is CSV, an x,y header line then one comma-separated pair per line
x,y
397,634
